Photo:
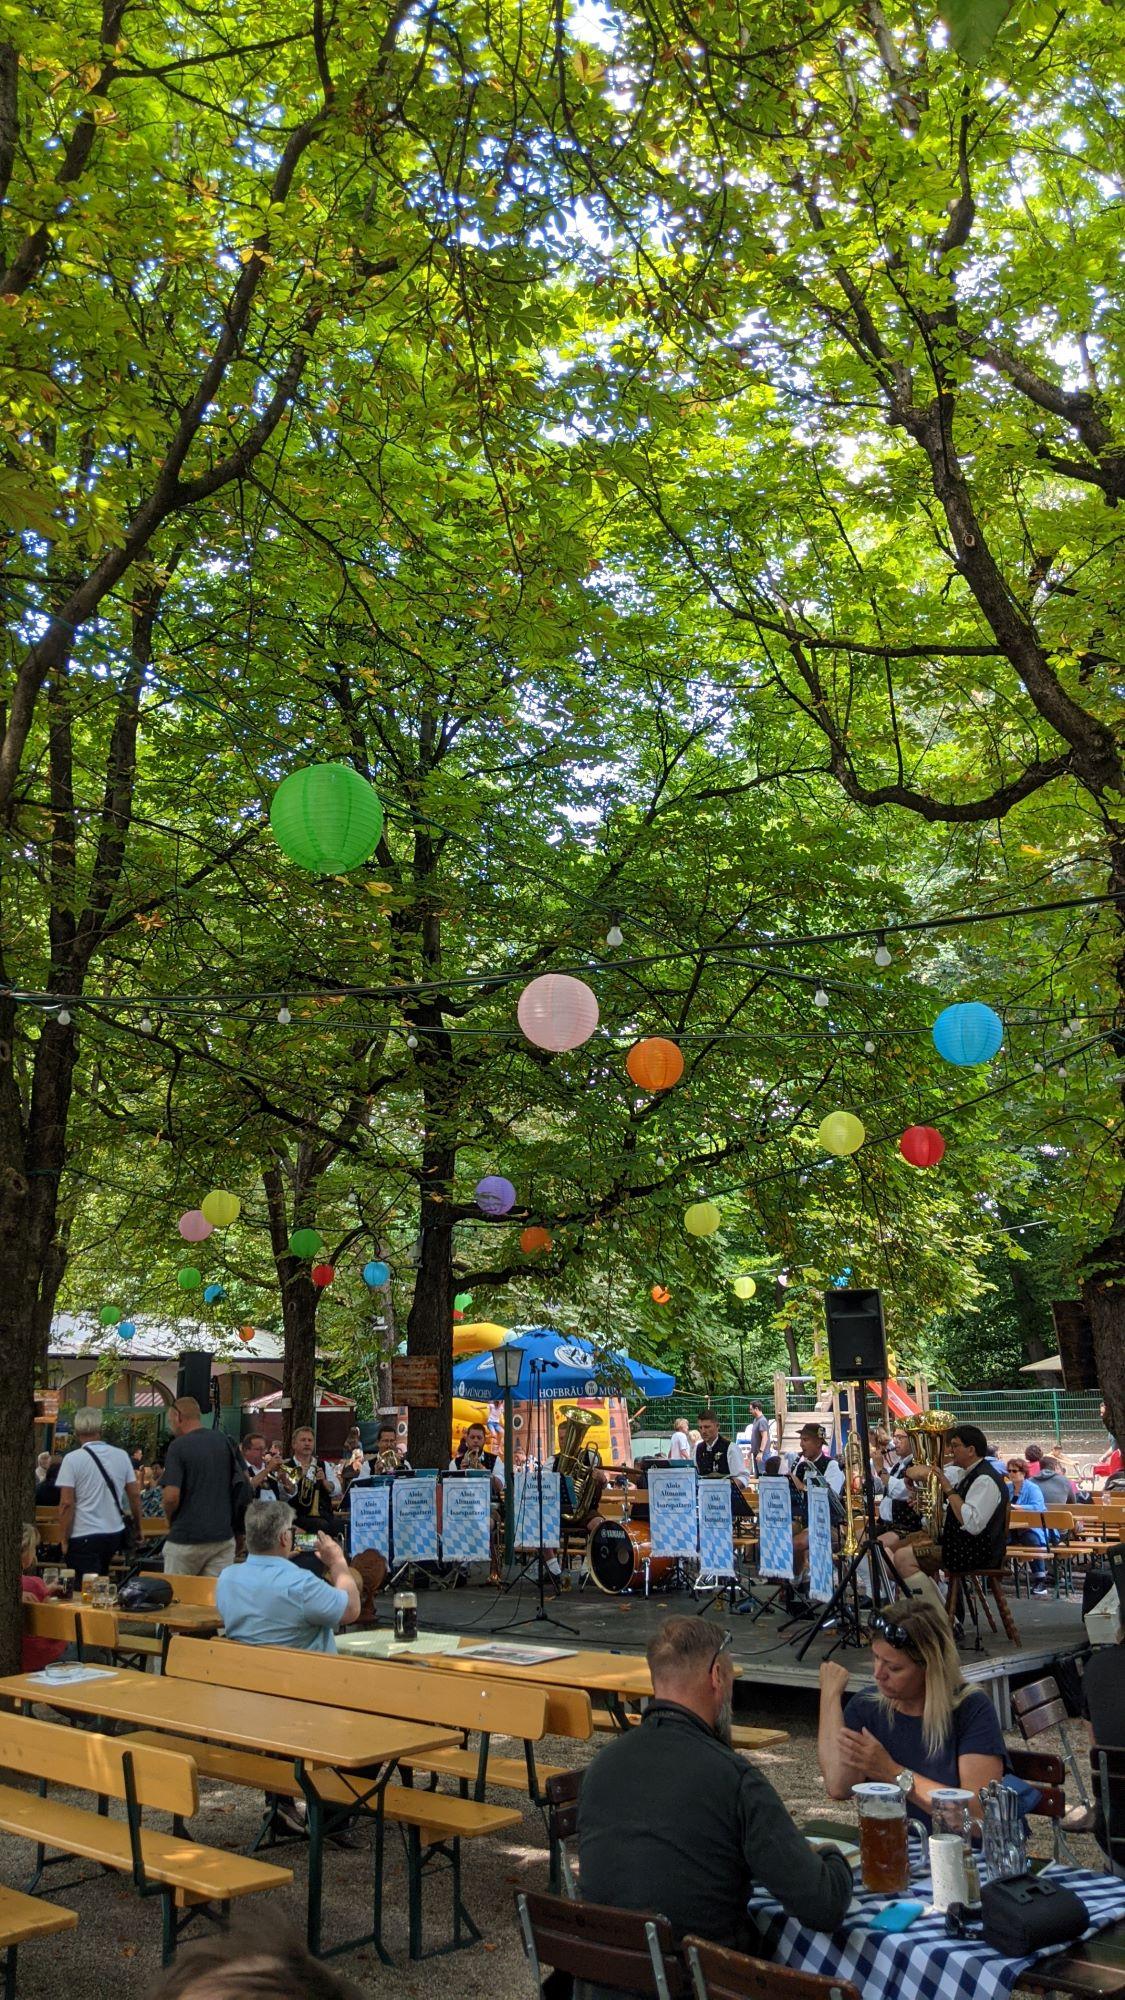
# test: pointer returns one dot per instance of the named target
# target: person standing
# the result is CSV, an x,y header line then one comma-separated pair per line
x,y
305,1484
98,1490
260,1462
679,1444
758,1443
200,1474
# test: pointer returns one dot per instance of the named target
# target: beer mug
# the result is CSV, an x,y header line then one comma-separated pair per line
x,y
884,1864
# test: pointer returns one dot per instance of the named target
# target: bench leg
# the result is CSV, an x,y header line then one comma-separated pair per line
x,y
414,1889
10,1972
167,1928
316,1870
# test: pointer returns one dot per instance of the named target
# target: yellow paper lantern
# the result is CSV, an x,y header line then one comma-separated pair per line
x,y
221,1208
744,1288
702,1219
841,1133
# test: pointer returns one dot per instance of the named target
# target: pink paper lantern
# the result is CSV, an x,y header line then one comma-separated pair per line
x,y
557,1012
194,1226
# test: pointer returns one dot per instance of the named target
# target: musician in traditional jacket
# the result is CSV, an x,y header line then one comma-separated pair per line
x,y
717,1454
974,1533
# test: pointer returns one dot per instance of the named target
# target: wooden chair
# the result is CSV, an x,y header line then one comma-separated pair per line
x,y
23,1917
718,1974
1038,1707
633,1951
185,1875
1108,1767
562,1824
1039,1767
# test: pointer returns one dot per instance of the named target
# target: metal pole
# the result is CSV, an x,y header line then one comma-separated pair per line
x,y
509,1477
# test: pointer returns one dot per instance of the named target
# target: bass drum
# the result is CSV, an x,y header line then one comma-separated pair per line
x,y
617,1555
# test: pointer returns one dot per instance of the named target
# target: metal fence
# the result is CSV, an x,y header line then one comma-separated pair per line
x,y
1035,1416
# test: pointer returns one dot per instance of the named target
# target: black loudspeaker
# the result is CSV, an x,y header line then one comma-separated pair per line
x,y
193,1378
857,1338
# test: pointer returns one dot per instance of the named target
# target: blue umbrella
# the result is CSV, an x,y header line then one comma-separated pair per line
x,y
555,1366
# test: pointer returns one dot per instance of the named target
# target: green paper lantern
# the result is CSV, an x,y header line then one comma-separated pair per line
x,y
220,1208
702,1219
841,1133
462,1302
189,1279
744,1288
306,1242
109,1315
326,818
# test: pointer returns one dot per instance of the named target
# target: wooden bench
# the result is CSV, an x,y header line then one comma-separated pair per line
x,y
482,1705
23,1917
184,1874
433,1823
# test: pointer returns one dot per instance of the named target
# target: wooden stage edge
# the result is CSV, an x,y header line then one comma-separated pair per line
x,y
1051,1631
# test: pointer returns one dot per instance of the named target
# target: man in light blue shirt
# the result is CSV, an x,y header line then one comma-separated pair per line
x,y
269,1601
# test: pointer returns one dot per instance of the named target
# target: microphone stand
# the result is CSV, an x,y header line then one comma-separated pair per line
x,y
540,1616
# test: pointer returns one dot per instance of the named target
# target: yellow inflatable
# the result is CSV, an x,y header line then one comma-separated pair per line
x,y
478,1336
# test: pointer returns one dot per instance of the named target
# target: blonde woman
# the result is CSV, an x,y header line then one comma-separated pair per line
x,y
921,1727
36,1652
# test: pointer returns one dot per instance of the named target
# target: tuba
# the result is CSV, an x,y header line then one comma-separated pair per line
x,y
926,1432
582,1483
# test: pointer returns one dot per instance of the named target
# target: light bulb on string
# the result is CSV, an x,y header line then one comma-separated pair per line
x,y
882,950
145,1024
868,1048
820,998
614,936
283,1016
64,1017
411,1041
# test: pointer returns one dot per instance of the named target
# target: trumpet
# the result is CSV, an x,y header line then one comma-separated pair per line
x,y
926,1432
386,1461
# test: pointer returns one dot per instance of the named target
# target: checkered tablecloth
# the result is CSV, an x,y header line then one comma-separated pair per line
x,y
921,1963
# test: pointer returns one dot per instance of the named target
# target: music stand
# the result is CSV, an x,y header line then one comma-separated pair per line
x,y
540,1615
838,1607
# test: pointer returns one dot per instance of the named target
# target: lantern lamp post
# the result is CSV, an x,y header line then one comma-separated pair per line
x,y
507,1361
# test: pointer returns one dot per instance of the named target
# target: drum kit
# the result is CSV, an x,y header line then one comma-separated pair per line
x,y
619,1553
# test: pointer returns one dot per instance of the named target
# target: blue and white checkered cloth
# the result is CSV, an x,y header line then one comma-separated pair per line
x,y
921,1963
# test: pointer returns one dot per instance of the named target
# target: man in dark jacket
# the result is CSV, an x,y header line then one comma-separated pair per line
x,y
671,1819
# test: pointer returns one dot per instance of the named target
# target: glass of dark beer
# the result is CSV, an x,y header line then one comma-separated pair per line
x,y
884,1862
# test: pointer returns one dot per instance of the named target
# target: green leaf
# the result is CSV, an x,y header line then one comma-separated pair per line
x,y
974,25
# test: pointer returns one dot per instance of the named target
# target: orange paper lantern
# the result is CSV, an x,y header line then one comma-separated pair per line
x,y
534,1239
661,1296
246,1333
655,1064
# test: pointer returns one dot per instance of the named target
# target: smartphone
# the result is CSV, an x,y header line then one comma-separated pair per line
x,y
306,1541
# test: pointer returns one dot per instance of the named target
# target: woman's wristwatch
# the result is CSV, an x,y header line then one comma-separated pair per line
x,y
905,1782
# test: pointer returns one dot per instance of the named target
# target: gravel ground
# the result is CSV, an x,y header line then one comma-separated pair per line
x,y
116,1948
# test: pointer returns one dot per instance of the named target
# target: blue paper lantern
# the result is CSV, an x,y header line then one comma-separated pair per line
x,y
495,1195
376,1274
126,1329
968,1033
213,1293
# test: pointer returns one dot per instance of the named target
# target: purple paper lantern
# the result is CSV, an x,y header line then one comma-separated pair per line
x,y
194,1226
494,1195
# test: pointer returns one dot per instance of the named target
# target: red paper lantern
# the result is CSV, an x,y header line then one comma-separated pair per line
x,y
922,1145
655,1064
534,1239
661,1296
323,1274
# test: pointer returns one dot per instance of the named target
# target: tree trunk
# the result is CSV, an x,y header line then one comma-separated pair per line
x,y
429,1328
298,1308
1103,1294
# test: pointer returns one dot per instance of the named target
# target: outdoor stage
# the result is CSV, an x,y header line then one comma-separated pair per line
x,y
1051,1630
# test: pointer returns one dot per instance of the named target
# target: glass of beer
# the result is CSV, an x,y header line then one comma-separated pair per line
x,y
884,1863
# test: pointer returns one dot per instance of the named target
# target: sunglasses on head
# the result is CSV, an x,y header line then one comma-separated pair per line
x,y
726,1641
882,1627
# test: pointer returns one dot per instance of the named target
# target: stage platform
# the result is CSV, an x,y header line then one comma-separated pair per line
x,y
1051,1630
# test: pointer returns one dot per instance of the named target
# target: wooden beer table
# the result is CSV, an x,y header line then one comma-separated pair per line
x,y
613,1678
306,1734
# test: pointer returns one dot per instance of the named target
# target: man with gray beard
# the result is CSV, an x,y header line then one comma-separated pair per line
x,y
672,1819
